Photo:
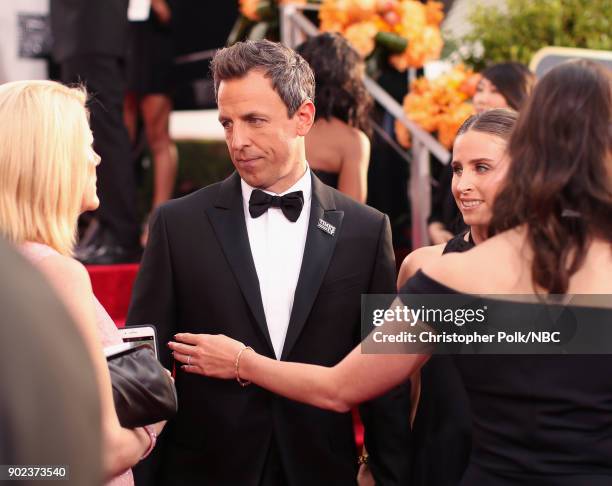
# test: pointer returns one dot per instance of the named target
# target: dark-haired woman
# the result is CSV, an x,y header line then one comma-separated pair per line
x,y
479,166
504,85
537,420
337,146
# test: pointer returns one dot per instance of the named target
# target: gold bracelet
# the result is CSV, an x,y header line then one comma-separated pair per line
x,y
237,365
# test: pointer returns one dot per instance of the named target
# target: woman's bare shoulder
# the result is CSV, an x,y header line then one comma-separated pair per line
x,y
497,265
416,259
65,272
342,132
356,136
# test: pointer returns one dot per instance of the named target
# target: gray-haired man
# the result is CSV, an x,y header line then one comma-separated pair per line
x,y
273,258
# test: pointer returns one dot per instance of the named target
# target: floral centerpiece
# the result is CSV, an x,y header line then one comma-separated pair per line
x,y
259,19
257,10
439,106
407,29
407,32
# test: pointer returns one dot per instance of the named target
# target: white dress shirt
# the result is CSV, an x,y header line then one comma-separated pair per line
x,y
277,246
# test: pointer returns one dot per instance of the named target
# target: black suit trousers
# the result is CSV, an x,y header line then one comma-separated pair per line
x,y
104,77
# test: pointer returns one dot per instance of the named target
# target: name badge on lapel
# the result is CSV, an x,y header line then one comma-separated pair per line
x,y
325,226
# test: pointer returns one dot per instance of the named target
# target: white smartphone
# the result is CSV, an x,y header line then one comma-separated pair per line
x,y
140,335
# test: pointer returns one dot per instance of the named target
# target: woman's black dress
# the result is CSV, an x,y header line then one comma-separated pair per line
x,y
536,420
442,424
150,60
328,178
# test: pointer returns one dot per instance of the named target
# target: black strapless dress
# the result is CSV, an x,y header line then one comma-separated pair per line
x,y
328,178
150,59
442,424
536,420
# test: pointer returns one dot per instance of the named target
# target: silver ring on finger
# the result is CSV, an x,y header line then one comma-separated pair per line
x,y
189,360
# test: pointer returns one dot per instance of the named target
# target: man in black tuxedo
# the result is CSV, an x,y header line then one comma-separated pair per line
x,y
275,259
89,43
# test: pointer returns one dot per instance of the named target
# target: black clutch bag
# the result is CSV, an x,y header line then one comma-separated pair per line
x,y
143,391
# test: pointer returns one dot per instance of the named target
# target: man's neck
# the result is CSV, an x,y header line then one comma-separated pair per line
x,y
288,181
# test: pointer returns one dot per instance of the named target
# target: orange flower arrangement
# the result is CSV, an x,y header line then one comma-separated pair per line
x,y
248,8
362,36
415,25
251,8
440,105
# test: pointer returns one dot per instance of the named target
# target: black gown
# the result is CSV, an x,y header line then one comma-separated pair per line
x,y
150,63
328,178
442,425
536,420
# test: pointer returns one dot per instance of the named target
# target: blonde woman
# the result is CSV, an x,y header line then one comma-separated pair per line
x,y
47,178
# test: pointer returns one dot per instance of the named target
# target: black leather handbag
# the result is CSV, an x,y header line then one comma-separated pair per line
x,y
143,391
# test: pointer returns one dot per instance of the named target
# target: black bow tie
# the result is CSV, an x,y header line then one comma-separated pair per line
x,y
290,204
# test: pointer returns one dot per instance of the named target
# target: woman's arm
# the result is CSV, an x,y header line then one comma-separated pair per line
x,y
353,177
122,447
438,233
357,378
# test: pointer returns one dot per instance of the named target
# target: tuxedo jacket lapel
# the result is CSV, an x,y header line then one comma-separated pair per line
x,y
318,252
227,219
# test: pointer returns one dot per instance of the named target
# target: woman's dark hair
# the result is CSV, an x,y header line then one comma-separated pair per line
x,y
499,122
338,71
513,81
560,174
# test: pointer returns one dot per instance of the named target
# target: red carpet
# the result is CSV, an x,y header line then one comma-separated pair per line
x,y
112,285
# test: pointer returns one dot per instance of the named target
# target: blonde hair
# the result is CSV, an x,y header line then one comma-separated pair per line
x,y
43,162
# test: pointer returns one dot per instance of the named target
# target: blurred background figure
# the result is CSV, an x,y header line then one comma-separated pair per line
x,y
48,178
25,40
90,40
337,146
49,401
504,85
150,86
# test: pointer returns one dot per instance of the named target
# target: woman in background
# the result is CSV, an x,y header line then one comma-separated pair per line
x,y
337,146
504,85
479,165
48,178
150,85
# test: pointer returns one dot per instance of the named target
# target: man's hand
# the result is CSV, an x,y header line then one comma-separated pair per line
x,y
206,354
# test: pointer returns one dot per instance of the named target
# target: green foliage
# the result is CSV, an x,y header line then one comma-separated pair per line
x,y
392,42
522,27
